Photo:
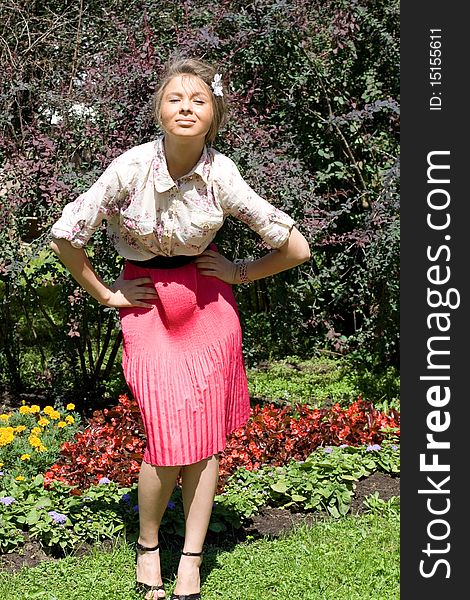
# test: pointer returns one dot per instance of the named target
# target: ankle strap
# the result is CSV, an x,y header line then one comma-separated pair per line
x,y
193,553
145,549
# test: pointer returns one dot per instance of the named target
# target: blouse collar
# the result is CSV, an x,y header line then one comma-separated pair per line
x,y
162,178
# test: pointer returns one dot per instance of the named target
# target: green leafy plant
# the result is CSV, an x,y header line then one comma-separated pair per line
x,y
325,481
62,519
383,508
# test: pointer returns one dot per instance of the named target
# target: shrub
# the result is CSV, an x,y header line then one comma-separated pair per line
x,y
316,382
314,128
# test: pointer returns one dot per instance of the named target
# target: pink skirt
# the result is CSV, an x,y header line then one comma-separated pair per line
x,y
182,361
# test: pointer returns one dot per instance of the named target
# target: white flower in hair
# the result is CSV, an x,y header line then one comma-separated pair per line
x,y
217,85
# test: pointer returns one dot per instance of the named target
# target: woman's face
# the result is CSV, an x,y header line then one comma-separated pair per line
x,y
186,108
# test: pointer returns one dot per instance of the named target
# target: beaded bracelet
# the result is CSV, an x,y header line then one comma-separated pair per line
x,y
242,268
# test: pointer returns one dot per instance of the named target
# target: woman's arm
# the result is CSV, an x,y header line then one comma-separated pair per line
x,y
293,253
123,293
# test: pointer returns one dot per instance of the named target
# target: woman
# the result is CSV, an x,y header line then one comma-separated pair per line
x,y
182,349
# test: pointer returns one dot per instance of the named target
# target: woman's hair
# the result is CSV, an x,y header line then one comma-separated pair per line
x,y
205,72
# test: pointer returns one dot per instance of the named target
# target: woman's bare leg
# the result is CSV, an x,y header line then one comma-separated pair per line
x,y
156,485
199,483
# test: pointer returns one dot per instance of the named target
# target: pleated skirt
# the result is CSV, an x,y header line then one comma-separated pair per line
x,y
182,361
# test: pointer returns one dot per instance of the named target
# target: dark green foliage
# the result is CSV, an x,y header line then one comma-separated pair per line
x,y
314,91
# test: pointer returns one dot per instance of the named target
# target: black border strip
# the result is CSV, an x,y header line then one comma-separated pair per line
x,y
434,273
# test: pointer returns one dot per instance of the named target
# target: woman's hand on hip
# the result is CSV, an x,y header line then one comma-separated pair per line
x,y
213,264
132,292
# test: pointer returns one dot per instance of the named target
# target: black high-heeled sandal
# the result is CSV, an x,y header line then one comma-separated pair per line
x,y
197,595
145,588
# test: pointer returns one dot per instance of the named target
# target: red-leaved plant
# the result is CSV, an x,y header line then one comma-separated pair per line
x,y
112,446
113,443
276,435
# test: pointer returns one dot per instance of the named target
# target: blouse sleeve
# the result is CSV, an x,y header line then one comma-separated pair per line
x,y
239,200
81,218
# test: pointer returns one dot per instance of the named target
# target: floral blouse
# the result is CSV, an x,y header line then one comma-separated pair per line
x,y
148,213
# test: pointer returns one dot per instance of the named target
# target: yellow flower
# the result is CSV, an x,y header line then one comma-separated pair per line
x,y
19,478
7,435
25,456
35,409
4,417
20,428
24,410
61,424
43,422
36,430
48,410
1,464
54,415
69,419
34,441
70,406
41,448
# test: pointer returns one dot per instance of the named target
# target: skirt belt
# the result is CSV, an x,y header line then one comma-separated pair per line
x,y
164,262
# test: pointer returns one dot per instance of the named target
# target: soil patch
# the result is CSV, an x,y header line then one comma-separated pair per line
x,y
30,555
386,485
273,522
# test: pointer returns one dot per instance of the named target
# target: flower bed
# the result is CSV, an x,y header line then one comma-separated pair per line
x,y
294,455
112,445
274,436
31,438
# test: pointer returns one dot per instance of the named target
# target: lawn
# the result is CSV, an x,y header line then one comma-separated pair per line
x,y
355,558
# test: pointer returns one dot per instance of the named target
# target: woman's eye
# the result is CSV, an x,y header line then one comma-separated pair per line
x,y
199,101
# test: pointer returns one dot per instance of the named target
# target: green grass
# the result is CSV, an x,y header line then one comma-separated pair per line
x,y
316,381
355,558
322,381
